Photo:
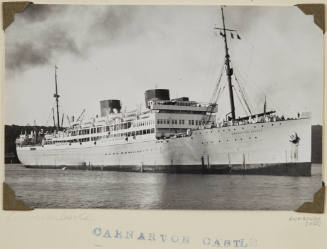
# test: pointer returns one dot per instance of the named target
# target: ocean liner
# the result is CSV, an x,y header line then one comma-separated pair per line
x,y
176,135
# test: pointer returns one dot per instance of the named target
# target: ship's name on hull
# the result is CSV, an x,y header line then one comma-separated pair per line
x,y
246,132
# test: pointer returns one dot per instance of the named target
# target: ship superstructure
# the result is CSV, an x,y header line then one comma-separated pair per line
x,y
176,135
163,118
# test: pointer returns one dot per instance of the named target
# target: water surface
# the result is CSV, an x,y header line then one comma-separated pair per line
x,y
56,188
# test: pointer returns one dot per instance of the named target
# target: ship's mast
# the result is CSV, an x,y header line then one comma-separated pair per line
x,y
56,96
229,70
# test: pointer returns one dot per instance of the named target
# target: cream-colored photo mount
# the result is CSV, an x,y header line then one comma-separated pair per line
x,y
163,124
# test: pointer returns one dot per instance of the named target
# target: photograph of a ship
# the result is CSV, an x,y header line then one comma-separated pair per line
x,y
178,110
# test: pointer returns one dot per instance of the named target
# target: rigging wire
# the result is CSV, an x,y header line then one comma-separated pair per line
x,y
50,114
214,97
239,99
257,88
220,91
243,94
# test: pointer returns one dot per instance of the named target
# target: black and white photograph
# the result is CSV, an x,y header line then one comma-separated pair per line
x,y
163,107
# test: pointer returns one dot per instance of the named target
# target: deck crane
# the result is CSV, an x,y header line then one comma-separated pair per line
x,y
62,120
68,120
81,116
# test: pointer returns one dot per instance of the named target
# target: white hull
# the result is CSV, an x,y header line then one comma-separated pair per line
x,y
247,145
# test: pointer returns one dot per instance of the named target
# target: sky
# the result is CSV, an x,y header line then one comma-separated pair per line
x,y
118,52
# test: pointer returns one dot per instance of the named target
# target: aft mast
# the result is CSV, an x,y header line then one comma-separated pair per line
x,y
56,96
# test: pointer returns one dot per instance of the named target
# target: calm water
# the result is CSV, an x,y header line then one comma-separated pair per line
x,y
55,188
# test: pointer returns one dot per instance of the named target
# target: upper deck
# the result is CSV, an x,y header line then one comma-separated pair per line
x,y
162,118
